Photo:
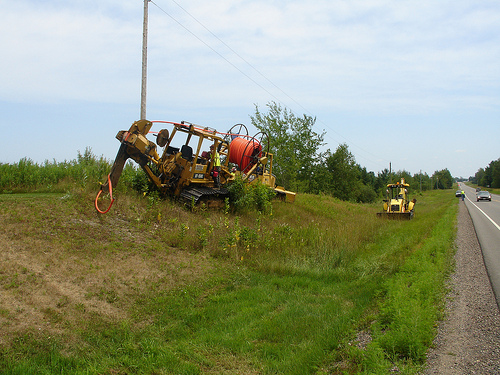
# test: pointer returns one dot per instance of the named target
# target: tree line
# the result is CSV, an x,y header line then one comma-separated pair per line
x,y
489,176
300,165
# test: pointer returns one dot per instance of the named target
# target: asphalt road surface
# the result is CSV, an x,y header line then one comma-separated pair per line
x,y
486,218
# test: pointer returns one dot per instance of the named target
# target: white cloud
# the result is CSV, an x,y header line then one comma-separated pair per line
x,y
318,52
56,53
377,59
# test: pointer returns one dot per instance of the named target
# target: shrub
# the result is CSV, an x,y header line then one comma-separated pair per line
x,y
255,196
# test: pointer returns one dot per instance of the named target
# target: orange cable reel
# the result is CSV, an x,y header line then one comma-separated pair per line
x,y
241,150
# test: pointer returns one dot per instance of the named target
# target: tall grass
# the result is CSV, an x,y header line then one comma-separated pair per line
x,y
413,298
86,170
279,291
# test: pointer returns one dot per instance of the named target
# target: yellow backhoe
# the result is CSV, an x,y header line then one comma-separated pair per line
x,y
397,204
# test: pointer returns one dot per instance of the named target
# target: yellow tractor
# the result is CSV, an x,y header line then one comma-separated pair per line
x,y
397,204
197,163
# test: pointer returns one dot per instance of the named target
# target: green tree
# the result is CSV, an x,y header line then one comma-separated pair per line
x,y
339,175
382,181
344,172
489,176
443,179
368,178
478,177
421,181
495,173
293,143
397,176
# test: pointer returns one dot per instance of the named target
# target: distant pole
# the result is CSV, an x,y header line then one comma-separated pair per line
x,y
144,60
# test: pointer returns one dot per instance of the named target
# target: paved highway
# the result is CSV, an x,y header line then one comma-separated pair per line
x,y
486,218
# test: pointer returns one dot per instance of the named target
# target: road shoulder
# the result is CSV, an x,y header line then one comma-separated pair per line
x,y
468,338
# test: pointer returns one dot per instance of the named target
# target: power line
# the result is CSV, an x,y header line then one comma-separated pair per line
x,y
256,70
213,49
239,56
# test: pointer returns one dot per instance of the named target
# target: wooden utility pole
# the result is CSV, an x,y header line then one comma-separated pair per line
x,y
144,60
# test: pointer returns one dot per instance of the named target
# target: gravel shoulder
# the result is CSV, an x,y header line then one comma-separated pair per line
x,y
468,340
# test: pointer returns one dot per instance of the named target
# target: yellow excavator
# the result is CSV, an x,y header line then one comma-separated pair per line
x,y
397,204
197,163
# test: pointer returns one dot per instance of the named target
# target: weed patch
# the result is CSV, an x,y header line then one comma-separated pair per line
x,y
153,287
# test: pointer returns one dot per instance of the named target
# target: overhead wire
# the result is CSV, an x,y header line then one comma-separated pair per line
x,y
239,56
260,74
213,49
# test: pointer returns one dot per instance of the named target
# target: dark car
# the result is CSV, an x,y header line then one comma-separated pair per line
x,y
483,196
458,193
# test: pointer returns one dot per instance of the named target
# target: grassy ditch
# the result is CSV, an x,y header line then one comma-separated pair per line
x,y
154,288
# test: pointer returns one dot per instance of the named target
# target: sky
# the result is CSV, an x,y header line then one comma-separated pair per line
x,y
411,84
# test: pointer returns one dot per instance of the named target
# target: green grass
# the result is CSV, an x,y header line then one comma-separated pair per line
x,y
413,300
207,292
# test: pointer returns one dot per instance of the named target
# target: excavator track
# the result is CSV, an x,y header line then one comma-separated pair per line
x,y
201,194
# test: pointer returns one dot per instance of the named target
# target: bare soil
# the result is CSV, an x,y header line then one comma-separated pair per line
x,y
468,341
52,278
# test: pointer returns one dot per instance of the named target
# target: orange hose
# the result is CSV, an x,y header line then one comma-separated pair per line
x,y
110,194
242,151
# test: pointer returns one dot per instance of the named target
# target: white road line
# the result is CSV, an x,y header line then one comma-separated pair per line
x,y
489,218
